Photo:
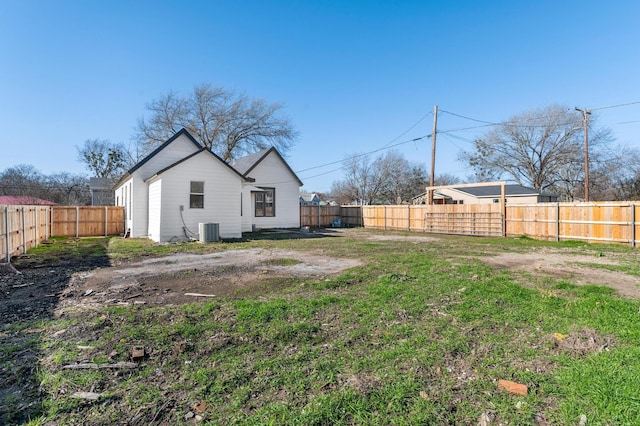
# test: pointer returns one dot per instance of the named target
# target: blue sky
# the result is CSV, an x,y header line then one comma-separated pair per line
x,y
354,75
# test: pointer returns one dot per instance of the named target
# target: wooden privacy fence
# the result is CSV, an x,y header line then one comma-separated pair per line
x,y
466,219
24,227
324,216
617,222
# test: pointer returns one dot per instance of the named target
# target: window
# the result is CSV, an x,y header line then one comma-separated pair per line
x,y
196,196
266,203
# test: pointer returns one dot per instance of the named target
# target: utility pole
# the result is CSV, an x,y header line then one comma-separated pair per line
x,y
433,154
585,124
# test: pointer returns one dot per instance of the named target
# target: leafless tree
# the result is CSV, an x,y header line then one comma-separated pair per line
x,y
226,123
541,148
68,189
62,188
103,158
389,179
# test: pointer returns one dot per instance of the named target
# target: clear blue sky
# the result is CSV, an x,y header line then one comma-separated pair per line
x,y
354,75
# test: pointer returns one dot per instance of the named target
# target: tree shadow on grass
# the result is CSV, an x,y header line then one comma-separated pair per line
x,y
27,300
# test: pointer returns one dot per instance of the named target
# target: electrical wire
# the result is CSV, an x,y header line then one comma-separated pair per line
x,y
364,154
409,129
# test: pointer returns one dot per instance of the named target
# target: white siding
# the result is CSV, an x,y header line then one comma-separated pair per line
x,y
247,210
138,189
155,211
470,199
222,188
123,195
273,173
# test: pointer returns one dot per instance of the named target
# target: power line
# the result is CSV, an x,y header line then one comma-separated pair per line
x,y
616,106
467,118
409,129
363,154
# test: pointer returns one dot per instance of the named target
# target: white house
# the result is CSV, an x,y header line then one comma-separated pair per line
x,y
182,184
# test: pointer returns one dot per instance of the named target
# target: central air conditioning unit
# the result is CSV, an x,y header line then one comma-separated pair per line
x,y
209,232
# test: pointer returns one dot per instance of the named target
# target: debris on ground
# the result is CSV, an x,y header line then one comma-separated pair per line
x,y
513,387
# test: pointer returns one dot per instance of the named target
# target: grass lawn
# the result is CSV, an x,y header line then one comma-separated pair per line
x,y
420,334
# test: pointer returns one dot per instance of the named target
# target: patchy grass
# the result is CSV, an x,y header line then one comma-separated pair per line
x,y
420,334
61,249
283,261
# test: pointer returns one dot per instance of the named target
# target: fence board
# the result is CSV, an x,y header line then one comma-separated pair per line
x,y
30,225
87,221
601,221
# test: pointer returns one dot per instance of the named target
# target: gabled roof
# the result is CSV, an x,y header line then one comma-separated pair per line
x,y
495,191
308,197
245,164
24,200
181,132
193,155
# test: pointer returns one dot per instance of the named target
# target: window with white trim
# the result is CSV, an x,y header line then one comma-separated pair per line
x,y
266,203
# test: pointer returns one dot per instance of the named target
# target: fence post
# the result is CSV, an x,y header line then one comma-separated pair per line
x,y
409,217
35,229
633,225
557,221
51,221
385,218
6,228
24,233
77,221
319,225
106,221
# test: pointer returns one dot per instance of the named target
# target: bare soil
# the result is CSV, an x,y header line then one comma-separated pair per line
x,y
43,291
184,278
571,267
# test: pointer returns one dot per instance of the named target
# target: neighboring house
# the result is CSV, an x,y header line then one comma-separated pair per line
x,y
25,200
514,194
309,199
101,191
182,184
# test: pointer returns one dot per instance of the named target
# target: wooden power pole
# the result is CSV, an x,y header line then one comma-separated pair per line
x,y
433,154
585,124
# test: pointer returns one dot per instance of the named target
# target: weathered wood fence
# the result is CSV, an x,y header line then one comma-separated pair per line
x,y
617,222
24,227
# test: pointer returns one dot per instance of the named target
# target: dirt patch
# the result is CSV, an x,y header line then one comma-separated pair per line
x,y
183,278
412,238
566,266
585,342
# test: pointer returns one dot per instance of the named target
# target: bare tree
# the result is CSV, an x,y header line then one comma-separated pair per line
x,y
226,123
23,179
68,189
103,158
541,148
61,188
389,179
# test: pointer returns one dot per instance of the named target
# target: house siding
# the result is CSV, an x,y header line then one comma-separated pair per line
x,y
247,211
221,187
123,197
271,172
138,190
155,211
470,199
